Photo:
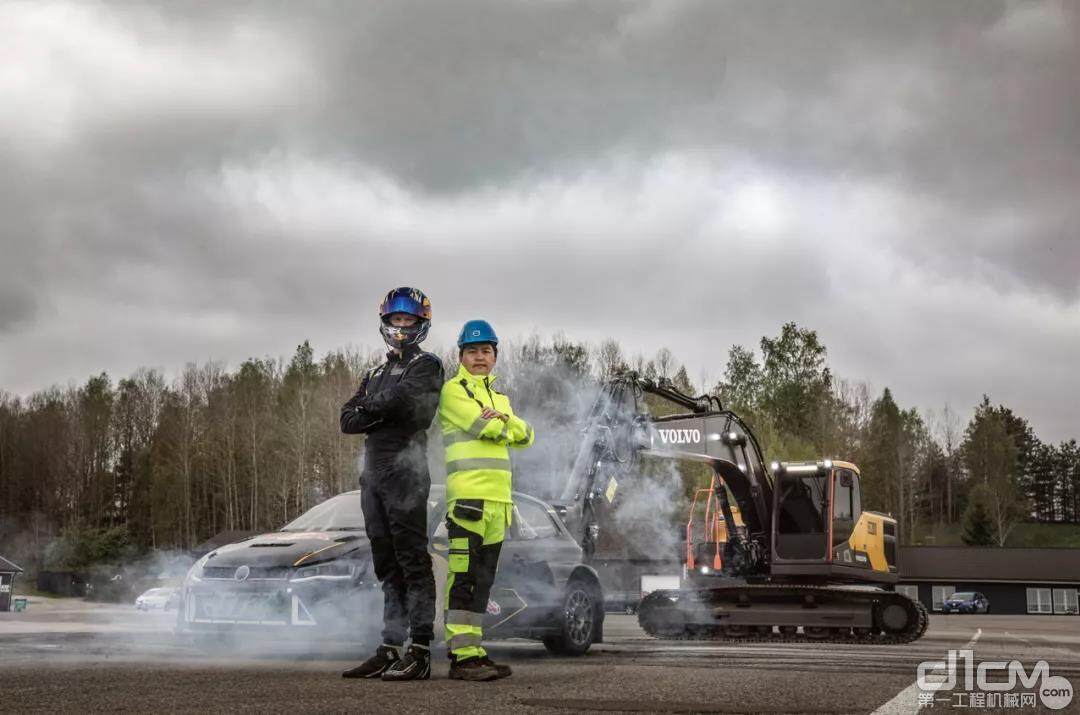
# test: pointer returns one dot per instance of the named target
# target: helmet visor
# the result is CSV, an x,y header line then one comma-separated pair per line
x,y
406,300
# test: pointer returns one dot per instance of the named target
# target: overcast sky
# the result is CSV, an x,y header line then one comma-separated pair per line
x,y
181,182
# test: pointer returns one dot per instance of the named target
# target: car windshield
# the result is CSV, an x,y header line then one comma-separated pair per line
x,y
156,592
340,513
963,596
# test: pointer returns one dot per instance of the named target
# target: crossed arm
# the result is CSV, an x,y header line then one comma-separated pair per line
x,y
412,400
464,413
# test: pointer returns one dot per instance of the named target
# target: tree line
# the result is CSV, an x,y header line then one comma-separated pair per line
x,y
148,462
925,469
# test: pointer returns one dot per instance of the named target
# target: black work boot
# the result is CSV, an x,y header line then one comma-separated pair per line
x,y
415,665
477,669
504,671
385,656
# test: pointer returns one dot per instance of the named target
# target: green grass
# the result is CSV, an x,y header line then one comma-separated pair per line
x,y
1059,535
1031,535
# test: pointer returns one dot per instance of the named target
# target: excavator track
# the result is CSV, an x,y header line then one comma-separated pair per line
x,y
701,614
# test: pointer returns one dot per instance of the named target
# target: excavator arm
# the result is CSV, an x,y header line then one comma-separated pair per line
x,y
620,429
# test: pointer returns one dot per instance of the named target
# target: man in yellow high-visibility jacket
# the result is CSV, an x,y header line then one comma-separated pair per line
x,y
478,427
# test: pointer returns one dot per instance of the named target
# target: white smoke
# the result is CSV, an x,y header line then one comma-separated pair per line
x,y
649,509
639,501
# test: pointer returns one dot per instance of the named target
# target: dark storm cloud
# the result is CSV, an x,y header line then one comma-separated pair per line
x,y
185,181
16,304
972,106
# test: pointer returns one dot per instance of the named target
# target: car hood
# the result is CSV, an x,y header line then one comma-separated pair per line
x,y
283,548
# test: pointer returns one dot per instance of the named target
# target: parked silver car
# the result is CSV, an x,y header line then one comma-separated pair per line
x,y
158,599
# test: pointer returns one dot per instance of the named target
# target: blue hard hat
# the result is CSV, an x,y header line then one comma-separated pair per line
x,y
477,331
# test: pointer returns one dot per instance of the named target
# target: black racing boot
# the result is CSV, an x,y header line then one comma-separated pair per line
x,y
415,665
477,669
385,656
504,671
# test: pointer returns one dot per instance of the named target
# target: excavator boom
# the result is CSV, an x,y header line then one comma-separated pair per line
x,y
620,429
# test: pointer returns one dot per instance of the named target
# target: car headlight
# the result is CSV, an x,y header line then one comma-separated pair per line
x,y
331,570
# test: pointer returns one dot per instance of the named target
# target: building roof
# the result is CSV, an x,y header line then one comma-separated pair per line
x,y
6,565
981,563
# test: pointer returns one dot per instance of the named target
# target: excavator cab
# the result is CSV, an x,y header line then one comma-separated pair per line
x,y
802,508
820,528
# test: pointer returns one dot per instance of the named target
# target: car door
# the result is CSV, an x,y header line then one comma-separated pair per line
x,y
524,588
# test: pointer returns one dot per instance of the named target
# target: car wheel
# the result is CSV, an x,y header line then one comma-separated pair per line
x,y
578,621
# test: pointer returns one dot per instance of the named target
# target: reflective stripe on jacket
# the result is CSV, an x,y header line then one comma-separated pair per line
x,y
477,454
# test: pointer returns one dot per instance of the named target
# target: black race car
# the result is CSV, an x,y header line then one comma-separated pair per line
x,y
313,579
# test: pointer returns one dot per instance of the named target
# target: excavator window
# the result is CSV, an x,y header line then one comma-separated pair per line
x,y
842,499
801,500
846,506
801,513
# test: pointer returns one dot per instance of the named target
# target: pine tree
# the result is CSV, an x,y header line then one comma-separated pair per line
x,y
990,455
977,524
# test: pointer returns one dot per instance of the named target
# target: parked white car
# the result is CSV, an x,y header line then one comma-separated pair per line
x,y
158,599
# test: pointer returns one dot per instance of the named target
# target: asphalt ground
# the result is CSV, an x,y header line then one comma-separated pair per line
x,y
68,655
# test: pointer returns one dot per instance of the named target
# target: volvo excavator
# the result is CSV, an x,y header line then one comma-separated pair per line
x,y
785,553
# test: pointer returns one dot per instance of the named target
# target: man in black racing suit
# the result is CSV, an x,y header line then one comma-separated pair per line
x,y
394,407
